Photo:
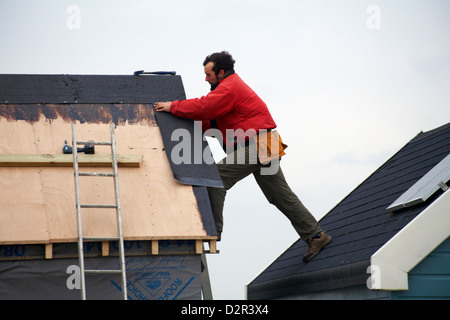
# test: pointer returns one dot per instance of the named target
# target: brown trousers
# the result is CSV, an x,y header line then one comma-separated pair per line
x,y
270,179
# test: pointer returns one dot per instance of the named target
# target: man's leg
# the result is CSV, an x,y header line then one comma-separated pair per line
x,y
231,172
278,193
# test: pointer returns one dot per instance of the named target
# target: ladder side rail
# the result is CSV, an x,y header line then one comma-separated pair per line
x,y
119,213
79,218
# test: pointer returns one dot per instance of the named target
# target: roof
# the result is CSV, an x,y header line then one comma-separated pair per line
x,y
359,225
38,111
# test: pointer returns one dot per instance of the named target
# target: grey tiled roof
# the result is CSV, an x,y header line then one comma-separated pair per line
x,y
359,225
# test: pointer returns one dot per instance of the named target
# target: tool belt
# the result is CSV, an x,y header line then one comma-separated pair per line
x,y
269,145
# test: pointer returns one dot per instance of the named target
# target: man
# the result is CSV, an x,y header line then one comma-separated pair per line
x,y
233,105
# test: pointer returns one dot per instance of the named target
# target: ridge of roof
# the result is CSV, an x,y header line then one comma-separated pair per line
x,y
68,88
425,134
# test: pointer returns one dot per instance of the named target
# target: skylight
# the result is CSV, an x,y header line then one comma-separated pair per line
x,y
436,178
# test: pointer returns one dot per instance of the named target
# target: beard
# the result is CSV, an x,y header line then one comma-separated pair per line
x,y
214,85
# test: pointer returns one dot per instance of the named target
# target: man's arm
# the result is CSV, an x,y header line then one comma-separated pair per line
x,y
165,107
214,105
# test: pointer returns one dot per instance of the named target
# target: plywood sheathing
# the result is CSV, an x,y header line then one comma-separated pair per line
x,y
38,204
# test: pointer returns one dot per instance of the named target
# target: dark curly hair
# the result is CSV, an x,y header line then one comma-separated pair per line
x,y
222,61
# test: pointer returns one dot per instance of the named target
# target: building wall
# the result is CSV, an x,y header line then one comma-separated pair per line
x,y
175,276
430,279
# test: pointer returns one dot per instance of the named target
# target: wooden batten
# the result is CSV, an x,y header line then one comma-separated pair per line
x,y
48,251
66,160
155,247
198,246
108,249
213,246
105,248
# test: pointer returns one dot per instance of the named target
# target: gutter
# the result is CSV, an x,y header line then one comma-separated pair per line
x,y
315,281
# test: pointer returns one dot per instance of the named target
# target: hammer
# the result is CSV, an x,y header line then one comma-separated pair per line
x,y
138,73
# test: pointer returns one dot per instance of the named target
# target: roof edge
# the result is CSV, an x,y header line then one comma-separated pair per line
x,y
326,279
425,134
416,240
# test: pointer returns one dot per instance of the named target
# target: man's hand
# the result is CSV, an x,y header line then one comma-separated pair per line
x,y
163,106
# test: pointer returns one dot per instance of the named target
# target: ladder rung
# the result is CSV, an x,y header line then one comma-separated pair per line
x,y
101,238
102,271
94,142
107,206
95,174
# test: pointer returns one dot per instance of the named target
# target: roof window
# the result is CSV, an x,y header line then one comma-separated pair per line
x,y
431,182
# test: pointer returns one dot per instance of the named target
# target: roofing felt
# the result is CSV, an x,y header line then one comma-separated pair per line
x,y
359,225
34,88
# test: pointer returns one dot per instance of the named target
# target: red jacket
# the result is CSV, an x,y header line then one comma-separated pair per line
x,y
233,104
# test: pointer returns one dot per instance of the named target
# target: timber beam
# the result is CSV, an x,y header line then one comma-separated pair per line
x,y
66,160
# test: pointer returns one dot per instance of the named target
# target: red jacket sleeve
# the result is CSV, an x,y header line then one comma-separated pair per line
x,y
214,105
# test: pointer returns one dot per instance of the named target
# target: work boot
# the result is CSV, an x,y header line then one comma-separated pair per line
x,y
316,244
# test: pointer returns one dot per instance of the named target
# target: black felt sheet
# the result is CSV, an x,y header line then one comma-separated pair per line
x,y
196,169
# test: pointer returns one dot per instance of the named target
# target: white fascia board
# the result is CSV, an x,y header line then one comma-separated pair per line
x,y
392,262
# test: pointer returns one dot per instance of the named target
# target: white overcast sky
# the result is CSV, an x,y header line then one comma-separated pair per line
x,y
348,82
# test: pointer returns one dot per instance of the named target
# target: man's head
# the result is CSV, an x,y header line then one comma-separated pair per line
x,y
217,66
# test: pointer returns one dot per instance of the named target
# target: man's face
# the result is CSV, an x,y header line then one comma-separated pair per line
x,y
211,76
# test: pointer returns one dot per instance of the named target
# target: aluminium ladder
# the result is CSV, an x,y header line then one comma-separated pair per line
x,y
116,206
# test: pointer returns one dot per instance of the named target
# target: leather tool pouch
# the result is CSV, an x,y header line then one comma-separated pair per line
x,y
270,146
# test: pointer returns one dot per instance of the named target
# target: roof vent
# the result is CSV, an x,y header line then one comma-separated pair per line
x,y
436,178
